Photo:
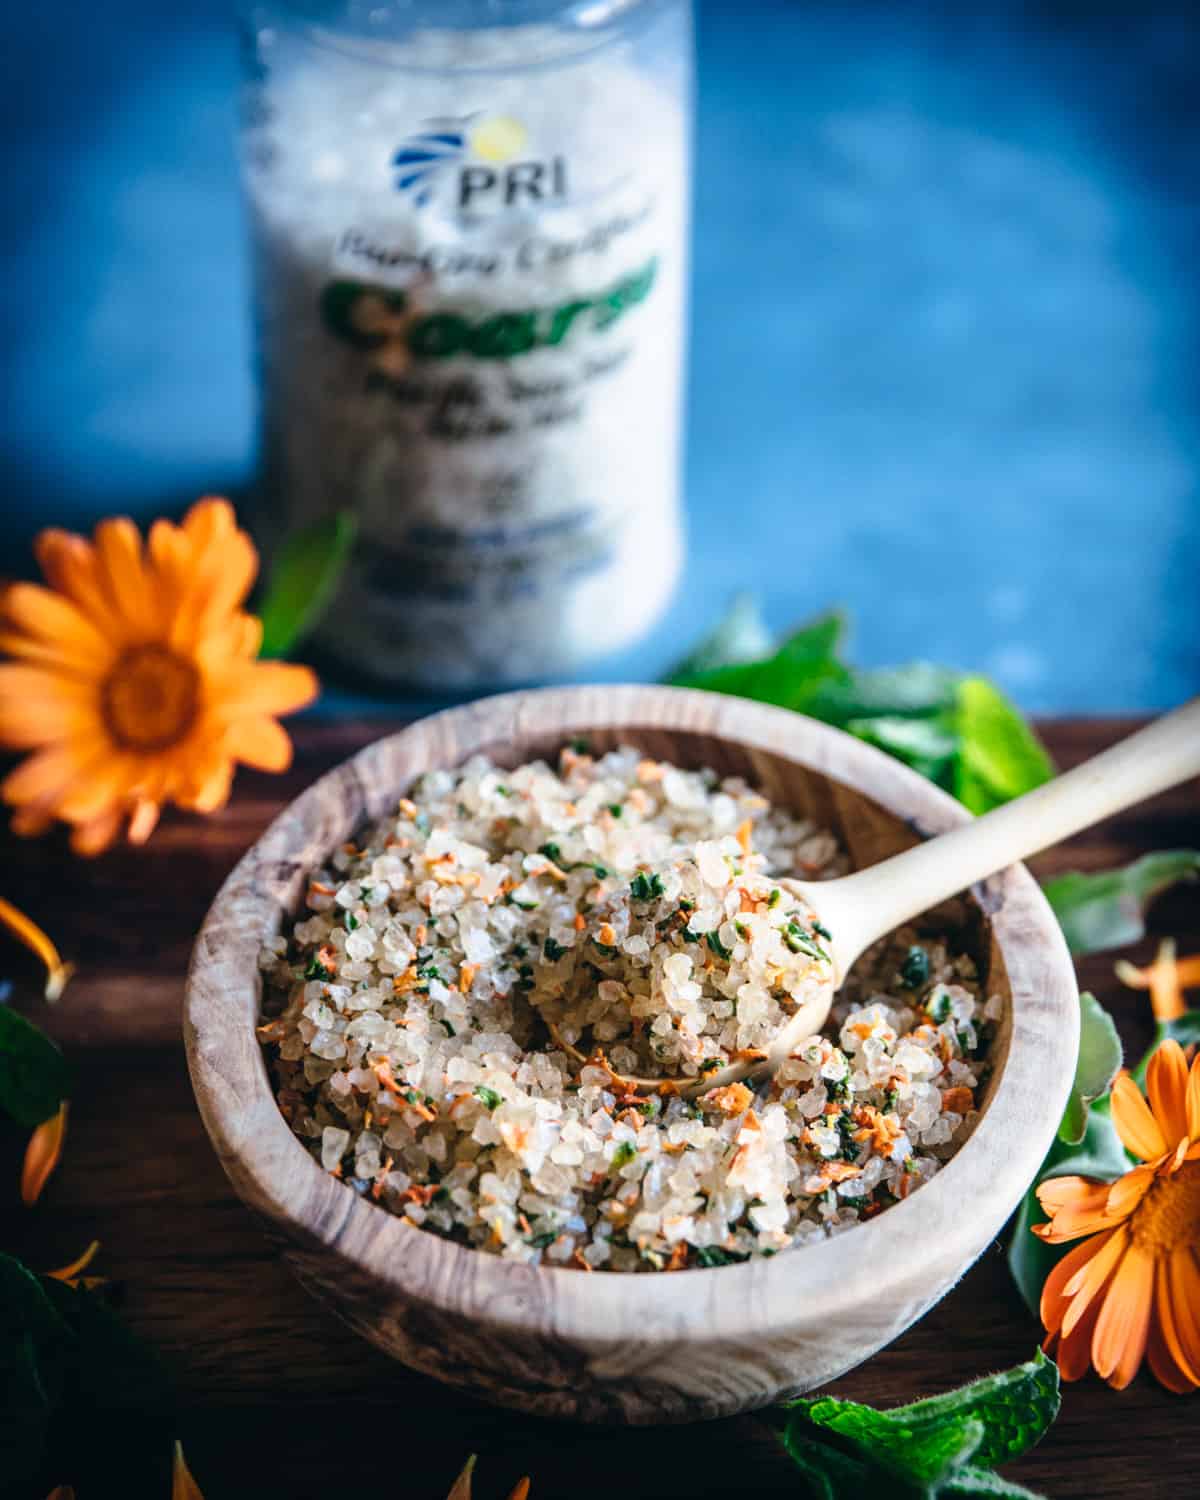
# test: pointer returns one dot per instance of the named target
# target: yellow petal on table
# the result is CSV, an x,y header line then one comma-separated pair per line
x,y
462,1485
77,1266
183,1486
28,931
42,1154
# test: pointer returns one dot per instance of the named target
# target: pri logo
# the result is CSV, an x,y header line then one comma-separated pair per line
x,y
476,164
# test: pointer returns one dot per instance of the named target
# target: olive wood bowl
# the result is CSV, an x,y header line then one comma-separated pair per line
x,y
611,1347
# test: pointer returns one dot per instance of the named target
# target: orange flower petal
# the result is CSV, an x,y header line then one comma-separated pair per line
x,y
1136,1126
29,822
1119,1340
48,616
1072,1192
1192,1099
1054,1304
42,1154
260,741
1074,1355
1166,1088
1183,1299
70,567
1168,1357
108,782
124,575
1128,1191
183,1486
520,1490
1090,1279
144,820
38,706
61,1492
42,776
29,933
95,837
266,687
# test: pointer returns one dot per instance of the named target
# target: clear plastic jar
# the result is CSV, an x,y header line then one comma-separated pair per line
x,y
470,222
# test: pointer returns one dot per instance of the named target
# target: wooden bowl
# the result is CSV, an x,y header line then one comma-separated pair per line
x,y
608,1346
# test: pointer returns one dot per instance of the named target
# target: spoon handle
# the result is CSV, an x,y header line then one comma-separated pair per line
x,y
862,907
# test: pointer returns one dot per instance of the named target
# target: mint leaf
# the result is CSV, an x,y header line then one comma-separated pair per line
x,y
982,1484
1099,1060
741,635
1099,1154
1000,757
791,677
1106,910
34,1075
928,745
1015,1407
303,581
915,690
827,1473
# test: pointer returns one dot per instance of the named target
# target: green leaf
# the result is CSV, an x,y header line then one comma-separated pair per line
x,y
791,677
915,690
34,1075
1100,1154
1000,757
1107,910
1099,1060
982,1484
826,1472
741,635
926,1443
1015,1407
928,745
303,581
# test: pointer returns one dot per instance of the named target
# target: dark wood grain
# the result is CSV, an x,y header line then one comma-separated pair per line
x,y
277,1397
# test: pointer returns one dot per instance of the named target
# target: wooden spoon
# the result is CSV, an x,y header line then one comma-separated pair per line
x,y
859,909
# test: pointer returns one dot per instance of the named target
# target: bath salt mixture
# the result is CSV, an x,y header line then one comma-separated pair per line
x,y
450,1023
470,265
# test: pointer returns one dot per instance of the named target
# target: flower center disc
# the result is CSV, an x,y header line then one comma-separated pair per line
x,y
150,698
1169,1214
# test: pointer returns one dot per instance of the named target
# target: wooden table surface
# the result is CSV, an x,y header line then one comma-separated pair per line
x,y
275,1397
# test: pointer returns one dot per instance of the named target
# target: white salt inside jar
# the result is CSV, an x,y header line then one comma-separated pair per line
x,y
470,266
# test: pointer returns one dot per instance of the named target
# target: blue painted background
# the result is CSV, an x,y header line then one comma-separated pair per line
x,y
945,320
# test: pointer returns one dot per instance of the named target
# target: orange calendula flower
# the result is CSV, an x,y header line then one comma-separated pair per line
x,y
1132,1288
42,1155
134,679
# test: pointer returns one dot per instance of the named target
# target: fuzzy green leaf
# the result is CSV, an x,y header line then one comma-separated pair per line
x,y
924,1445
1099,1060
303,581
34,1075
1107,910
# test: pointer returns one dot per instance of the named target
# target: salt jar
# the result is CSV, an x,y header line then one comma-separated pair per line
x,y
469,223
